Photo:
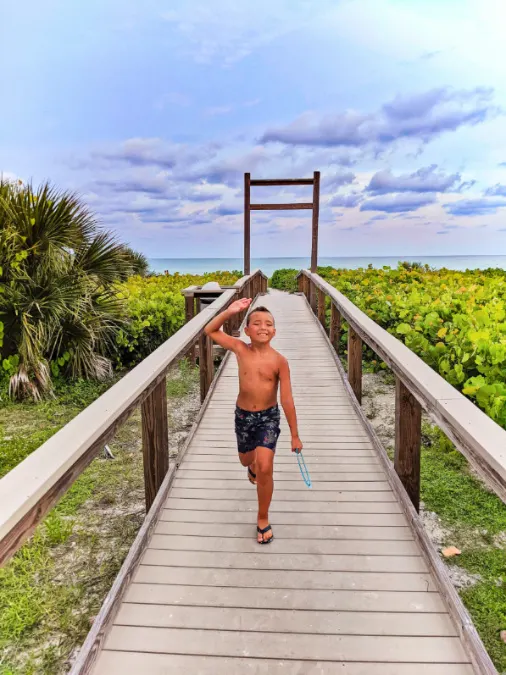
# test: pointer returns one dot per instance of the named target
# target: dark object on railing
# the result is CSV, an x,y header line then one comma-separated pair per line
x,y
475,435
314,206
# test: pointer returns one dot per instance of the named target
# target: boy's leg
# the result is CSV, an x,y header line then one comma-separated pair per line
x,y
248,459
265,487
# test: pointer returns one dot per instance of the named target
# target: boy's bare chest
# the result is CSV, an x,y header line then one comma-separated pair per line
x,y
258,369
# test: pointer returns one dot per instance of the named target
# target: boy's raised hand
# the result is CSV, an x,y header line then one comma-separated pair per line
x,y
239,305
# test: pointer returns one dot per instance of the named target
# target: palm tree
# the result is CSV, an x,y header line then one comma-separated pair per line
x,y
139,262
58,301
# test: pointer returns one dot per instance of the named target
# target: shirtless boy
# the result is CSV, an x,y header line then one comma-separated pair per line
x,y
261,370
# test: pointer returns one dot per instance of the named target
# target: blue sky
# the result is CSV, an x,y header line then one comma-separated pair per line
x,y
153,111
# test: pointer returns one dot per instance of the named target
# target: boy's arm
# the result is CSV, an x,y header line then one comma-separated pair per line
x,y
213,328
288,404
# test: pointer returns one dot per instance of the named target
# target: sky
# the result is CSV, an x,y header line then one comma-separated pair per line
x,y
152,111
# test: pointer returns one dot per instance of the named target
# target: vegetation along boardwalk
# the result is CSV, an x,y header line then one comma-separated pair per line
x,y
351,583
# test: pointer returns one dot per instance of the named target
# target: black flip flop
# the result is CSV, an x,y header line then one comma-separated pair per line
x,y
251,476
264,531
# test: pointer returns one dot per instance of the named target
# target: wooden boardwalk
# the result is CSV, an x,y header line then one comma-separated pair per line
x,y
342,589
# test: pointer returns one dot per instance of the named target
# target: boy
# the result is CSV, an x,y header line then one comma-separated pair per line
x,y
257,417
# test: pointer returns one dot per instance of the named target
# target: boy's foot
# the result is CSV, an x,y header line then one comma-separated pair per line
x,y
264,534
252,477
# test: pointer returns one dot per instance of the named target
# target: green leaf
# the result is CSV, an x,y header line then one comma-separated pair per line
x,y
403,329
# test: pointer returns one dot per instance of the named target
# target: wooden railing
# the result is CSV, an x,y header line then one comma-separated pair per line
x,y
418,387
31,489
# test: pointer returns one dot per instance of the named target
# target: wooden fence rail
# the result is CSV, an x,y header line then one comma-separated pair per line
x,y
32,488
418,387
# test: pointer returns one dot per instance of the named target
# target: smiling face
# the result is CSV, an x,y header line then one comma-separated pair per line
x,y
260,328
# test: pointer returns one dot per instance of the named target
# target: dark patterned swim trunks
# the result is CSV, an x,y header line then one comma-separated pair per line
x,y
260,428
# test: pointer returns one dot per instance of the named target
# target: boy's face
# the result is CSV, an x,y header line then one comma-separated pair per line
x,y
261,327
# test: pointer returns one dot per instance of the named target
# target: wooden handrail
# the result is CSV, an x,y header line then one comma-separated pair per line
x,y
476,436
33,487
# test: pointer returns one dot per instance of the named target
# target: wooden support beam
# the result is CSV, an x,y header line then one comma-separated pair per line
x,y
282,207
189,303
408,440
306,286
283,181
247,224
312,296
355,363
300,283
206,364
155,440
321,309
335,327
316,214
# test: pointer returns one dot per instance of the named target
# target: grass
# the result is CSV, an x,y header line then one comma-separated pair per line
x,y
475,522
472,518
55,584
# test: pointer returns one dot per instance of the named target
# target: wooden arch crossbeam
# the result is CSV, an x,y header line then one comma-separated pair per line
x,y
314,206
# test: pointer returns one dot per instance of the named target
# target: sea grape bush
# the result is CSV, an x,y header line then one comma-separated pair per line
x,y
453,320
155,311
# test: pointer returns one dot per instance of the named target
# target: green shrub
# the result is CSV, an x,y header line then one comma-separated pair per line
x,y
455,321
285,280
155,309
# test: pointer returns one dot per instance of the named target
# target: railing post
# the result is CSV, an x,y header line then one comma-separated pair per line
x,y
312,295
300,283
189,302
155,441
206,364
335,327
408,440
355,362
306,286
321,309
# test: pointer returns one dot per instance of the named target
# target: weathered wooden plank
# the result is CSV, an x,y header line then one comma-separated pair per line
x,y
287,531
297,206
231,466
323,488
209,515
305,621
131,663
282,181
318,477
312,546
288,579
226,458
353,508
277,598
284,561
325,647
288,495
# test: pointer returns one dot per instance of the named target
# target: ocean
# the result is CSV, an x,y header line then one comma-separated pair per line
x,y
270,265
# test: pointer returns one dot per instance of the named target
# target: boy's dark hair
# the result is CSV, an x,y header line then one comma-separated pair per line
x,y
258,309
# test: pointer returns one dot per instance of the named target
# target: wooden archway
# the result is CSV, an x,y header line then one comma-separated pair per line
x,y
314,206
